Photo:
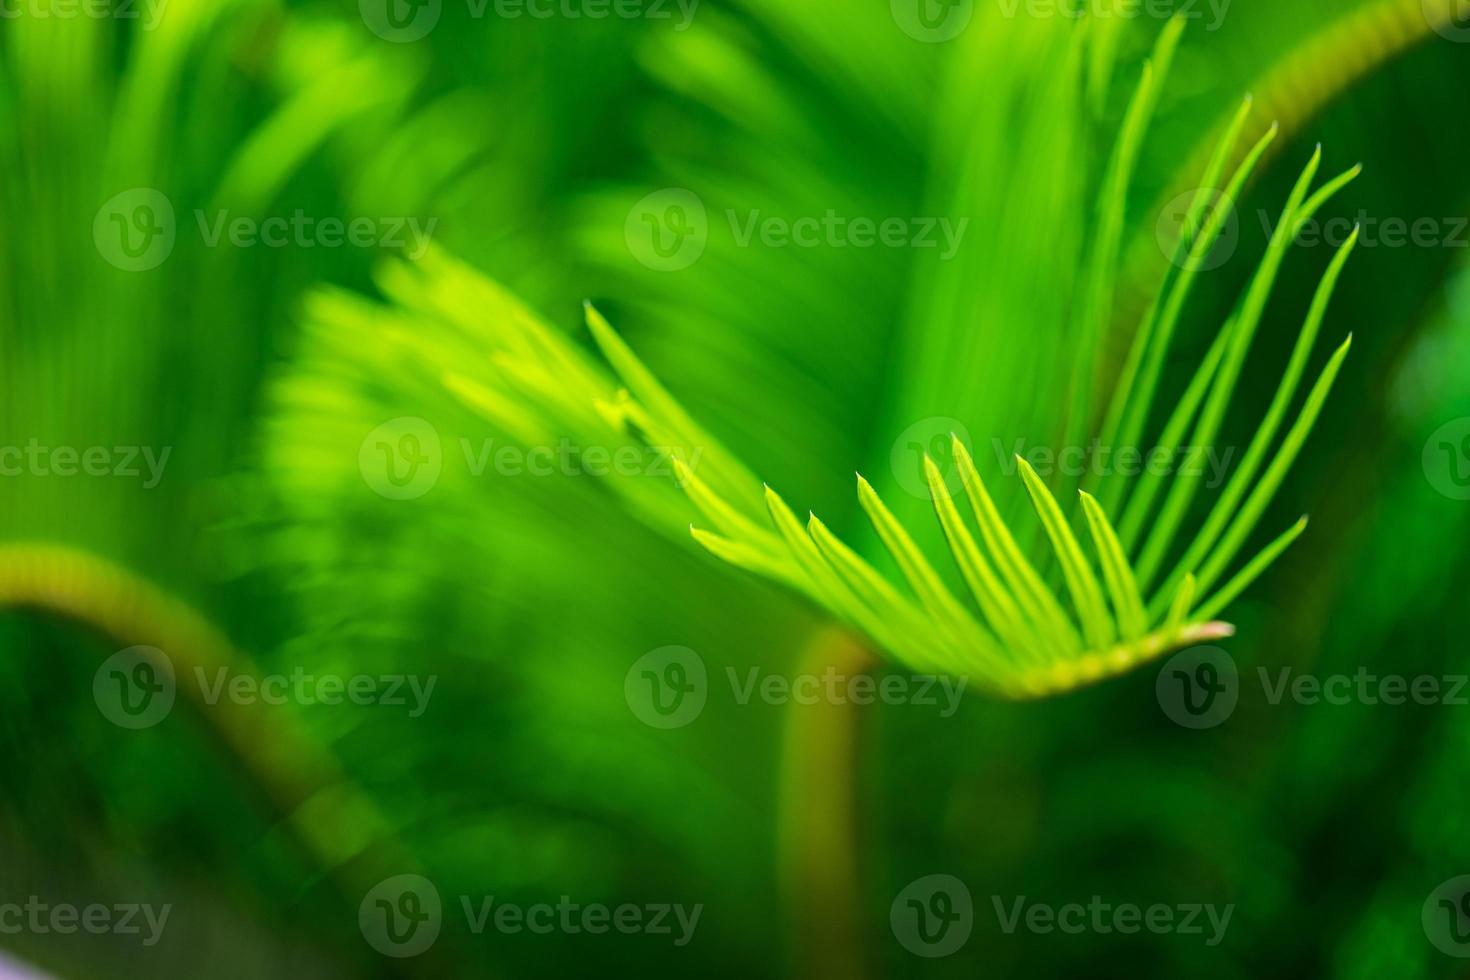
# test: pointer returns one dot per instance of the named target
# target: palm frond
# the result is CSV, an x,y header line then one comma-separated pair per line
x,y
1014,634
1036,614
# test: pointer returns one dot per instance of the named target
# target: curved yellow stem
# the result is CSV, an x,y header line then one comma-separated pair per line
x,y
341,828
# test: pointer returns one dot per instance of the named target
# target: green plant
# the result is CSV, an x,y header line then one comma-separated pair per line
x,y
1017,636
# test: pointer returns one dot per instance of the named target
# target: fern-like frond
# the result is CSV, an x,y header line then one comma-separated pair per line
x,y
1120,574
1009,629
